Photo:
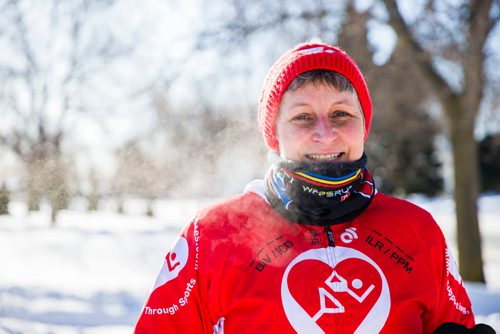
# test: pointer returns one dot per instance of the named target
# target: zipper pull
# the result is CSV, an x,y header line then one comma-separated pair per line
x,y
329,233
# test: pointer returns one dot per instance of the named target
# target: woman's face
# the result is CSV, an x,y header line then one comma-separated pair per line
x,y
316,122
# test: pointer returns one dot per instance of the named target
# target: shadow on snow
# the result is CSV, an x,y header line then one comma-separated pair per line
x,y
56,308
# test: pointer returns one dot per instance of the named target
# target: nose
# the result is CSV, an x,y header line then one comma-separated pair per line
x,y
324,131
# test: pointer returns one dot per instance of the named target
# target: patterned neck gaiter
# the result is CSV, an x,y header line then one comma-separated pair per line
x,y
319,193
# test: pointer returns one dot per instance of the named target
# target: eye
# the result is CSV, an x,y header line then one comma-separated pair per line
x,y
340,114
302,117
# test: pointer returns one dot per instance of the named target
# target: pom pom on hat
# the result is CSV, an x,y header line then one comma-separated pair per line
x,y
304,58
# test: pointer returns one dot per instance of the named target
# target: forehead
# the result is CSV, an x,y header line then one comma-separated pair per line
x,y
316,92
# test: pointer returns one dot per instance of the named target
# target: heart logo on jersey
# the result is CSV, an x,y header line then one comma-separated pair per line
x,y
352,293
174,262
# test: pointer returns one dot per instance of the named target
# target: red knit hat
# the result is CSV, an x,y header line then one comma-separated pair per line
x,y
304,58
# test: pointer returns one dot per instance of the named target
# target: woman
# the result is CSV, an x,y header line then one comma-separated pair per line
x,y
313,248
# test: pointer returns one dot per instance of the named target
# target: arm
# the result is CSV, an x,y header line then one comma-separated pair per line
x,y
174,305
456,324
452,303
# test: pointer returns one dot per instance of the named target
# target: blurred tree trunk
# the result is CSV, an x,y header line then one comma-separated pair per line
x,y
56,175
33,192
35,160
93,202
466,192
461,109
94,195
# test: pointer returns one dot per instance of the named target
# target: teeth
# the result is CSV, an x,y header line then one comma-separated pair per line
x,y
324,156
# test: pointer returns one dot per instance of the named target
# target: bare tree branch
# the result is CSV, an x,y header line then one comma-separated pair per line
x,y
480,24
423,58
495,19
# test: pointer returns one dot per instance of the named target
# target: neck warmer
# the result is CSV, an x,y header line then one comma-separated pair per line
x,y
319,193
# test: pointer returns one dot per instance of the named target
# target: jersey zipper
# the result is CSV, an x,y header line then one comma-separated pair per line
x,y
330,250
336,326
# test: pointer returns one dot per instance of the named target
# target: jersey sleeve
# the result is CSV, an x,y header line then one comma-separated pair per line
x,y
174,304
452,303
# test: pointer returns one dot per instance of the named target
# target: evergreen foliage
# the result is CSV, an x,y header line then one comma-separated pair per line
x,y
4,200
489,161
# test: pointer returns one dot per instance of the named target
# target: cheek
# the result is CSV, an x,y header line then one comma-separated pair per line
x,y
290,142
354,138
356,131
358,143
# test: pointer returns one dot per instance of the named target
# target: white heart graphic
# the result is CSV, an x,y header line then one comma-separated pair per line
x,y
302,322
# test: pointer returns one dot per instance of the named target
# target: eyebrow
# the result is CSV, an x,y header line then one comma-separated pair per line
x,y
302,104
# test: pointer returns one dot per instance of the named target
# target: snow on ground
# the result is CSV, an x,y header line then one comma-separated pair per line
x,y
92,273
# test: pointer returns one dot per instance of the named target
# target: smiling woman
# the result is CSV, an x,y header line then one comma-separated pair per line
x,y
313,248
320,120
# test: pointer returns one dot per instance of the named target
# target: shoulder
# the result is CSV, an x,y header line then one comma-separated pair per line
x,y
410,226
397,207
403,216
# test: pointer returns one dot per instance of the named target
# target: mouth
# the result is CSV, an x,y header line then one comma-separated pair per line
x,y
325,157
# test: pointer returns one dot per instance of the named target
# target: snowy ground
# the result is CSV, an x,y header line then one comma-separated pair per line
x,y
92,273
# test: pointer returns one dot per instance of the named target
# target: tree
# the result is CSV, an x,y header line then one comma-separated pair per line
x,y
50,61
402,158
459,43
139,174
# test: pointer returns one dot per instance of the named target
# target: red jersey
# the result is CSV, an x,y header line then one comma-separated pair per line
x,y
239,267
